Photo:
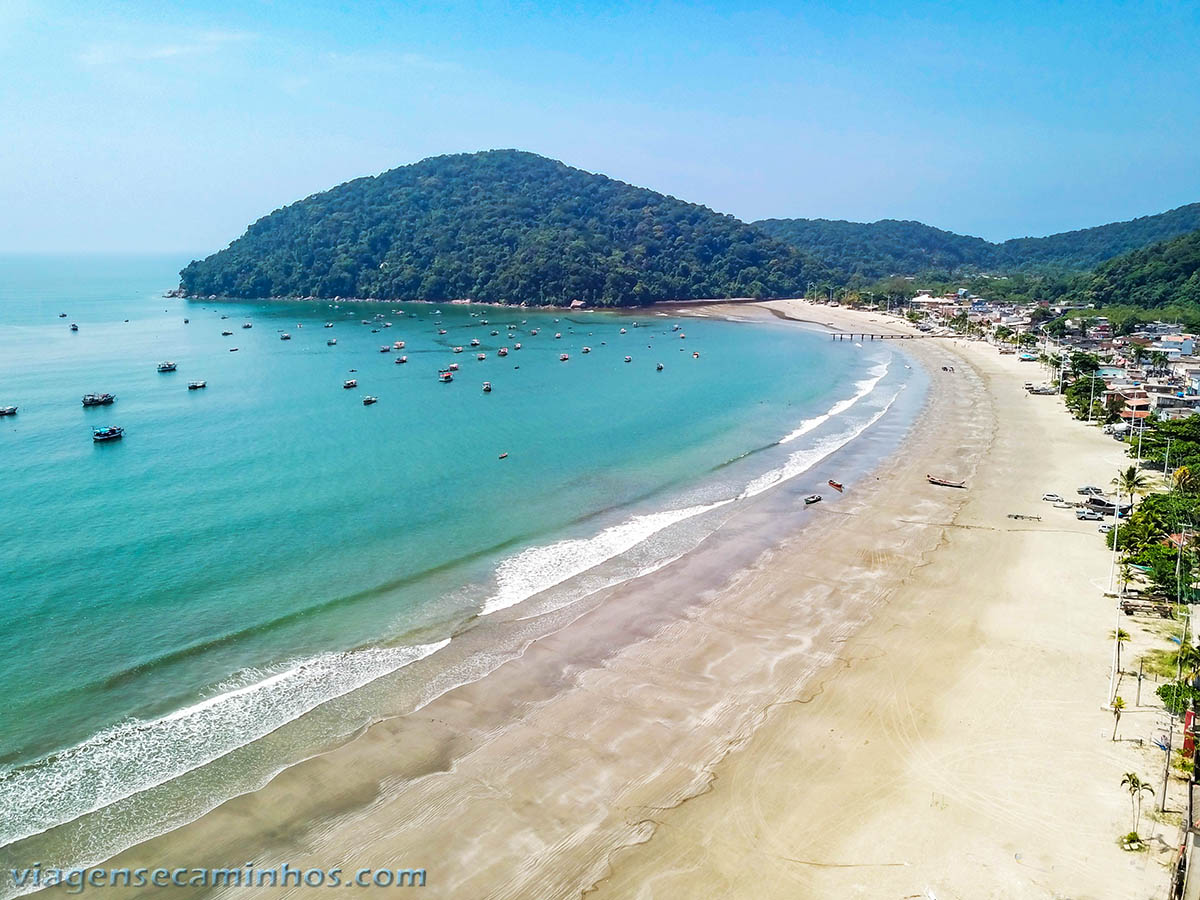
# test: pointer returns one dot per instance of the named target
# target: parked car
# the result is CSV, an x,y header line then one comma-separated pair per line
x,y
1105,528
1088,515
1090,490
1052,498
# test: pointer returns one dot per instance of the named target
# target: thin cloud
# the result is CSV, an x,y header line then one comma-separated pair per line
x,y
201,43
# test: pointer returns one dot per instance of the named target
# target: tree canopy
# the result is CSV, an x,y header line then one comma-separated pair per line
x,y
501,226
890,247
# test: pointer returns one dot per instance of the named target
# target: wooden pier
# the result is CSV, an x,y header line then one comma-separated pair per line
x,y
867,336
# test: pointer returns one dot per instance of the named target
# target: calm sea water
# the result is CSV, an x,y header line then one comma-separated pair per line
x,y
254,550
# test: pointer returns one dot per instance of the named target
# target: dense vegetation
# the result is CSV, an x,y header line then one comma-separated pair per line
x,y
868,251
878,249
1153,277
500,226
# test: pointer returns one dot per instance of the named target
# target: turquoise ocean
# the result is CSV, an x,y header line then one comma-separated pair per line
x,y
262,567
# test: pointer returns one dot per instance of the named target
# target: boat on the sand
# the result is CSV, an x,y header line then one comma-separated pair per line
x,y
945,482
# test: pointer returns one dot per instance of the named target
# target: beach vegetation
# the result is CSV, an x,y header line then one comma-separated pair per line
x,y
1137,789
1117,706
1177,696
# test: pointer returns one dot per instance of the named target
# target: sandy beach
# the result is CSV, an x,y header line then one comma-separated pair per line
x,y
903,698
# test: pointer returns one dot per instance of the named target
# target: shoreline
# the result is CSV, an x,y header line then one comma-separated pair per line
x,y
539,673
698,722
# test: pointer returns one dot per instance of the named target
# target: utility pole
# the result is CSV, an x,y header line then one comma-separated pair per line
x,y
1112,572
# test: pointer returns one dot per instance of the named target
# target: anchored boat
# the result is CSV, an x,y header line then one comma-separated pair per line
x,y
98,399
166,367
111,433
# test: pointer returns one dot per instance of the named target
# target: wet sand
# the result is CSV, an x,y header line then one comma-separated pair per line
x,y
902,698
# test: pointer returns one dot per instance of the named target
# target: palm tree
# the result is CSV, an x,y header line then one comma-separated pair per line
x,y
1158,359
1118,704
1131,481
1121,637
1189,660
1136,788
1136,354
1184,480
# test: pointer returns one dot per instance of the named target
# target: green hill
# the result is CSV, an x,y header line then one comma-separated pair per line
x,y
1163,274
501,226
877,249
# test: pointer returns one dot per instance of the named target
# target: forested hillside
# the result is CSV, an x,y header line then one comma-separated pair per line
x,y
889,247
504,227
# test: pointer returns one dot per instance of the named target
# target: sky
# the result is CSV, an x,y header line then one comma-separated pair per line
x,y
171,126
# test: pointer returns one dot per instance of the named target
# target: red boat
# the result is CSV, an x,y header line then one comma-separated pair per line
x,y
836,485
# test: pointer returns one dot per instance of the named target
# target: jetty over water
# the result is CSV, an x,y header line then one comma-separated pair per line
x,y
867,336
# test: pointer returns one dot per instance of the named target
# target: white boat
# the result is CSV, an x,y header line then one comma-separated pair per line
x,y
166,367
197,385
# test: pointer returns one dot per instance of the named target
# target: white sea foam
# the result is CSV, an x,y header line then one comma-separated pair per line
x,y
803,460
541,568
139,754
538,569
862,388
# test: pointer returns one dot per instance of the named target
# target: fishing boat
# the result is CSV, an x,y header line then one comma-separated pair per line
x,y
503,351
487,387
350,383
629,359
74,327
332,342
328,324
8,410
445,376
62,315
400,360
166,367
587,349
481,356
285,337
562,357
226,333
557,335
495,333
836,485
185,321
110,433
622,331
811,499
474,342
441,331
945,482
98,399
399,345
503,456
458,349
453,367
368,400
385,349
695,354
233,349
247,325
535,331
659,367
516,346
197,385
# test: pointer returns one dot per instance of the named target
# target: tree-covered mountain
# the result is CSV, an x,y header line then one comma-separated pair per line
x,y
1163,274
878,249
500,226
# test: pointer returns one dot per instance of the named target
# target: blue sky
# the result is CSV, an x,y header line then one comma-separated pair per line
x,y
172,125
